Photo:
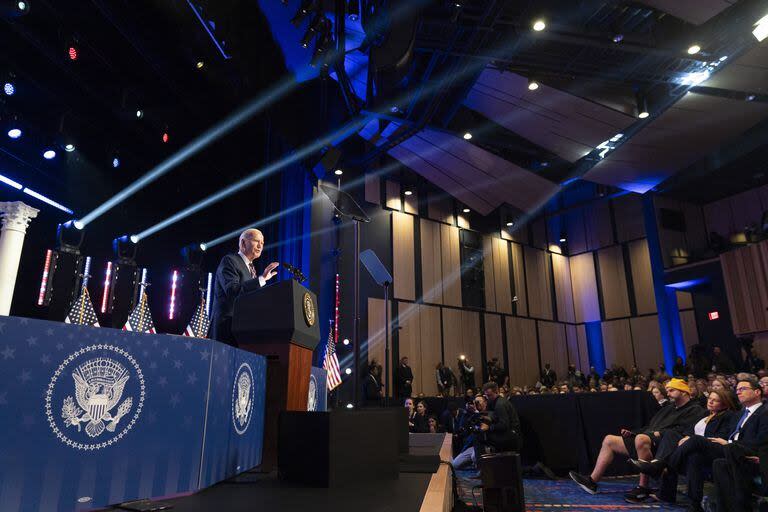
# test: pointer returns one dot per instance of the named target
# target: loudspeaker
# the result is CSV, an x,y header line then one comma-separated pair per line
x,y
340,448
502,477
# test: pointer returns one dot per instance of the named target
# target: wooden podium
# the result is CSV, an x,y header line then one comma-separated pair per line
x,y
280,322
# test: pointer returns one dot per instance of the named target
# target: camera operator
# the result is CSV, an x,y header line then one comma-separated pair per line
x,y
502,432
465,437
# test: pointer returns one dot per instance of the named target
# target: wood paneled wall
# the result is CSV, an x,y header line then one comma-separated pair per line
x,y
403,256
431,347
617,341
449,247
518,273
539,280
392,195
628,212
493,339
689,328
585,300
431,262
498,292
522,350
553,347
642,279
461,335
646,340
561,270
376,341
613,282
745,272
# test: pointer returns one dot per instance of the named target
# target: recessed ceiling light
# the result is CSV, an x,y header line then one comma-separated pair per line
x,y
14,133
338,172
408,192
465,210
510,224
200,64
539,25
533,85
69,148
562,240
761,29
694,49
643,115
467,136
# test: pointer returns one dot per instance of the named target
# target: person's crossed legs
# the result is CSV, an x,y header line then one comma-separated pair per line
x,y
614,445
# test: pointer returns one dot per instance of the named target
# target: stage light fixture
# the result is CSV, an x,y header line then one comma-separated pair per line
x,y
9,89
10,182
642,106
47,200
338,172
139,113
408,192
532,84
72,52
14,133
618,38
125,248
203,247
165,137
78,224
346,341
694,49
539,25
174,281
23,6
467,136
200,64
465,210
115,162
350,406
134,239
107,281
69,147
317,24
49,154
348,371
761,29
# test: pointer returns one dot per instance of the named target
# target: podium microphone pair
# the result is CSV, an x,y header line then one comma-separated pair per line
x,y
297,274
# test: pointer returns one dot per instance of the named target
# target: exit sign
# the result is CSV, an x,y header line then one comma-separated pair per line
x,y
713,315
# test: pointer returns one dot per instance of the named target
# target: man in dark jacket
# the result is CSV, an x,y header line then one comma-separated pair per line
x,y
734,474
640,444
548,376
404,379
503,432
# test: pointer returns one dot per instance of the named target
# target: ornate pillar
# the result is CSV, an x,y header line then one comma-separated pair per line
x,y
15,217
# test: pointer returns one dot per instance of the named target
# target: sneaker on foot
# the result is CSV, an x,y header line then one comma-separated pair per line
x,y
653,468
584,481
637,495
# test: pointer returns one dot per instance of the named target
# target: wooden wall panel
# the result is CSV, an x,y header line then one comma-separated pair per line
x,y
553,347
431,262
494,344
597,219
462,220
392,195
488,275
373,188
617,341
502,284
581,338
575,228
539,232
453,333
431,347
745,272
696,236
375,338
522,349
689,328
539,284
585,302
628,212
440,208
572,344
411,203
409,339
470,343
449,245
642,279
761,345
561,270
646,339
403,258
684,300
518,272
613,282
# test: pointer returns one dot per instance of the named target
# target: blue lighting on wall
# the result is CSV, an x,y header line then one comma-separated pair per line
x,y
18,186
595,346
686,285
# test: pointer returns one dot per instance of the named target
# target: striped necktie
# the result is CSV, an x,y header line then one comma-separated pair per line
x,y
252,270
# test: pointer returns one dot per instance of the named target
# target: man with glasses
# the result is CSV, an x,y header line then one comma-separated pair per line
x,y
235,270
734,474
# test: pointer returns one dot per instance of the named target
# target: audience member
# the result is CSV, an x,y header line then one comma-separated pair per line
x,y
467,453
434,426
503,432
752,362
735,473
692,452
641,444
411,413
680,369
372,387
660,394
452,419
403,379
548,376
445,379
720,362
420,419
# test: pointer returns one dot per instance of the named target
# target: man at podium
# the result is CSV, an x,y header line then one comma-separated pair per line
x,y
236,272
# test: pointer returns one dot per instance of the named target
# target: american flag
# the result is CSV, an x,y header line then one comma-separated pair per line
x,y
82,312
198,326
331,363
140,319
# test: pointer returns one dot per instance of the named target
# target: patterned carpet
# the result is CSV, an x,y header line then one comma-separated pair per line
x,y
549,495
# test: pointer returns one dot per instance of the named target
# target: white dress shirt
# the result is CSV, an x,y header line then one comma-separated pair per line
x,y
248,264
700,426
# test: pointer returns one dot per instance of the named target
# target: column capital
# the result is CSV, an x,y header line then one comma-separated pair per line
x,y
16,215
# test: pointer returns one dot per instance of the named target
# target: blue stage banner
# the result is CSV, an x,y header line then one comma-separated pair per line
x,y
318,390
94,416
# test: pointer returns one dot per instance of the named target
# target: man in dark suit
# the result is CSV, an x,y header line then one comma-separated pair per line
x,y
734,475
235,270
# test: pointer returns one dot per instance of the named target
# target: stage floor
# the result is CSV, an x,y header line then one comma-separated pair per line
x,y
260,491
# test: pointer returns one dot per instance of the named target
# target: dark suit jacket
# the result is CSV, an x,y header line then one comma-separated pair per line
x,y
720,426
754,432
230,277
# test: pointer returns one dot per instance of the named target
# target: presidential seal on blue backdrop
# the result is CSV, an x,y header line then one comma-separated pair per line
x,y
242,398
95,397
312,398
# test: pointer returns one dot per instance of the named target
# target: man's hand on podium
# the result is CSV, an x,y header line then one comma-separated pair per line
x,y
270,272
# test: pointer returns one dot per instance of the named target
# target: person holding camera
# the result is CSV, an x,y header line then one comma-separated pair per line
x,y
502,433
466,374
476,414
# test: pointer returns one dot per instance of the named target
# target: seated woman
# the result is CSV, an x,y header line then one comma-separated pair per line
x,y
421,420
690,453
411,413
434,425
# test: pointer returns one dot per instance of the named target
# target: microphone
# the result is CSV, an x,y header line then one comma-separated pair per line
x,y
295,272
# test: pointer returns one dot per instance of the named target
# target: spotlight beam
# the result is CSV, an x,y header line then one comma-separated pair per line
x,y
335,137
195,146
